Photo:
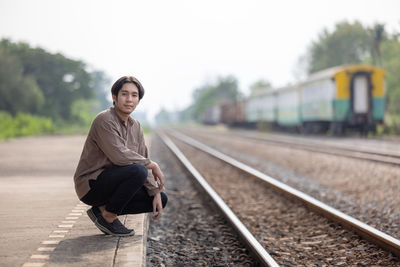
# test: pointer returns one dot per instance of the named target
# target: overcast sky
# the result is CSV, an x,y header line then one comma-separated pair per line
x,y
175,46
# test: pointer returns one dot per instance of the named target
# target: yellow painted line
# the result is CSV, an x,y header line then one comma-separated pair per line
x,y
40,257
46,248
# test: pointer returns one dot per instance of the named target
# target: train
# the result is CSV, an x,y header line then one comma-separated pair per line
x,y
332,100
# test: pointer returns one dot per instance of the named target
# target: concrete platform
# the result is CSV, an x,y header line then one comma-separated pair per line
x,y
77,242
42,221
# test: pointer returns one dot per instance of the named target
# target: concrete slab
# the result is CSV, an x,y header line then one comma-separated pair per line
x,y
42,221
132,251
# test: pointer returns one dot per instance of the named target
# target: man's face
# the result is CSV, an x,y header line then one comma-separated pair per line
x,y
127,99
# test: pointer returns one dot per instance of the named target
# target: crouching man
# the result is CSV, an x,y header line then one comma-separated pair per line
x,y
114,174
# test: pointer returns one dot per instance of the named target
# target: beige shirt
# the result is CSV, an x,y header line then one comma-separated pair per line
x,y
111,142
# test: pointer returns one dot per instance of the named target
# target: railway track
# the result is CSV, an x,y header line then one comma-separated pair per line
x,y
385,241
326,147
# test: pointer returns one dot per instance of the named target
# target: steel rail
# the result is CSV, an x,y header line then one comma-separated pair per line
x,y
380,157
374,235
346,147
339,151
251,242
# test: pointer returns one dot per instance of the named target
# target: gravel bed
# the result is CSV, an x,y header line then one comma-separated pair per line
x,y
365,190
191,232
291,233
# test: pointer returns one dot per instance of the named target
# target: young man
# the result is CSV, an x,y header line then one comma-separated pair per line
x,y
115,175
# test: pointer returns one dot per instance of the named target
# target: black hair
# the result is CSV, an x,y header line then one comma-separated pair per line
x,y
126,79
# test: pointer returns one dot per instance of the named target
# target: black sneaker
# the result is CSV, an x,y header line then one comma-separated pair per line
x,y
116,228
93,214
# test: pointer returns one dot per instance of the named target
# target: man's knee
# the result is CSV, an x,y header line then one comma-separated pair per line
x,y
138,171
164,199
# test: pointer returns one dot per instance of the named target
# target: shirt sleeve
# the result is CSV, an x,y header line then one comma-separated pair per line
x,y
113,145
150,185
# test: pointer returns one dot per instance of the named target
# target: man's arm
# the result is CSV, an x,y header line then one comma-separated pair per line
x,y
157,206
157,174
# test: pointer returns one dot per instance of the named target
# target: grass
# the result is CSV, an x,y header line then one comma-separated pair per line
x,y
24,125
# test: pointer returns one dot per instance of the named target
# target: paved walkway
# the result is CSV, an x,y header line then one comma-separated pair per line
x,y
42,221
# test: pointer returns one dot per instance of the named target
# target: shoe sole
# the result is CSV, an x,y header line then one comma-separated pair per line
x,y
93,217
105,230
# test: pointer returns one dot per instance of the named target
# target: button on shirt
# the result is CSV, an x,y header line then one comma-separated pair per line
x,y
111,142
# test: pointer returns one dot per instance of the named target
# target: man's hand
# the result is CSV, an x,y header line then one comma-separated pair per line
x,y
158,175
157,206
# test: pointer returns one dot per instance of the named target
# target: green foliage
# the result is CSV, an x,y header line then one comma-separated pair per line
x,y
347,44
378,35
83,111
102,85
225,89
37,82
18,93
259,85
56,81
23,125
146,129
391,64
70,128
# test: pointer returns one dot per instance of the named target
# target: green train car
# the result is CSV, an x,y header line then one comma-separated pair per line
x,y
334,99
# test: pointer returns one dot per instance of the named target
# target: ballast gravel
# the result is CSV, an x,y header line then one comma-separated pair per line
x,y
292,234
191,232
366,190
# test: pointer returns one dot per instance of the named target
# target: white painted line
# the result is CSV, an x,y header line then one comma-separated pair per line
x,y
56,236
33,264
68,222
60,231
51,242
46,248
40,257
65,225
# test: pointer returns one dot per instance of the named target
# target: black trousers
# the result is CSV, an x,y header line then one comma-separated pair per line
x,y
121,189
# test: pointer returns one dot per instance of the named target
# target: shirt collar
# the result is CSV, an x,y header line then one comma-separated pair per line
x,y
130,119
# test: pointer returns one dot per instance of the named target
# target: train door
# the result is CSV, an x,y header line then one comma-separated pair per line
x,y
361,99
361,96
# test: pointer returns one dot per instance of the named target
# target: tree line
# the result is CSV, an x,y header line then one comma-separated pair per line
x,y
347,43
45,88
